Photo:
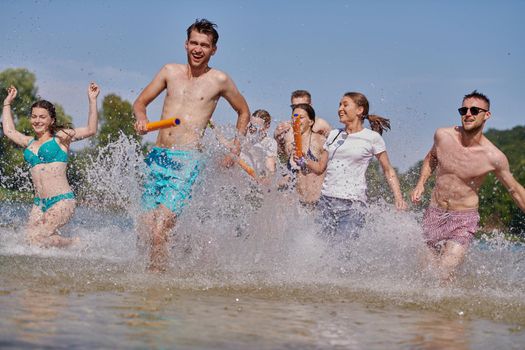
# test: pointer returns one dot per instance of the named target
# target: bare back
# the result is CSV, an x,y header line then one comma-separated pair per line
x,y
461,170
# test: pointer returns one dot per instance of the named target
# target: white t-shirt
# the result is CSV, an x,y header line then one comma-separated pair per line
x,y
348,158
255,155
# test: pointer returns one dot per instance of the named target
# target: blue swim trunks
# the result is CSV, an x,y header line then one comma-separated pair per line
x,y
171,176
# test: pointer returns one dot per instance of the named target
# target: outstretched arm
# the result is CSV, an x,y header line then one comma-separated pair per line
x,y
427,168
7,121
516,190
393,181
157,85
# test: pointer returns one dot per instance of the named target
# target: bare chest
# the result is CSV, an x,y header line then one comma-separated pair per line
x,y
464,162
195,90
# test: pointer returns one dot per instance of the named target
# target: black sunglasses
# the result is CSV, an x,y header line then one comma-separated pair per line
x,y
473,110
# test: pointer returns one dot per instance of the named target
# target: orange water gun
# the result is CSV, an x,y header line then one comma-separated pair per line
x,y
161,124
244,166
296,125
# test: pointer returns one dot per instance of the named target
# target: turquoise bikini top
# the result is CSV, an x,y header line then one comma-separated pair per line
x,y
49,152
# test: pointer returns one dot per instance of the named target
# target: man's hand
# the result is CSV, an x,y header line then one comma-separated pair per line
x,y
140,126
417,192
228,161
282,129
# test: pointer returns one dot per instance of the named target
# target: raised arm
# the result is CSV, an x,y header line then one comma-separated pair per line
x,y
157,85
91,129
238,103
503,174
7,121
391,178
427,168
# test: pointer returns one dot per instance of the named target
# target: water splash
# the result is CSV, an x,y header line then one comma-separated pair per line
x,y
238,236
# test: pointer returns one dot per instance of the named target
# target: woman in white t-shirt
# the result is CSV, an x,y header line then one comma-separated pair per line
x,y
347,153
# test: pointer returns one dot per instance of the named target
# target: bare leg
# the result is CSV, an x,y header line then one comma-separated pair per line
x,y
451,257
36,217
154,228
44,231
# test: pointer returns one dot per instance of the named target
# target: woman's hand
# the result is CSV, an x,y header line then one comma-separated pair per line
x,y
11,94
93,91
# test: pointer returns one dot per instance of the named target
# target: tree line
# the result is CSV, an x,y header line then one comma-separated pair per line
x,y
497,210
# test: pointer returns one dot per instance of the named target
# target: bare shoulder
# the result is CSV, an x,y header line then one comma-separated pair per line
x,y
441,132
496,157
318,139
321,126
219,76
173,68
65,136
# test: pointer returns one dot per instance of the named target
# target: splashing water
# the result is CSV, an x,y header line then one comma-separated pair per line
x,y
241,239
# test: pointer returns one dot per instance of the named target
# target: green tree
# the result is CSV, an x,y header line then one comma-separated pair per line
x,y
116,117
12,164
497,209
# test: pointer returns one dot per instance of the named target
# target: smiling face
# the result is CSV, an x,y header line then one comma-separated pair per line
x,y
41,120
199,49
349,111
473,123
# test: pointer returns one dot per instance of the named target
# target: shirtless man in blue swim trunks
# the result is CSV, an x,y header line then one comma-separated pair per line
x,y
192,92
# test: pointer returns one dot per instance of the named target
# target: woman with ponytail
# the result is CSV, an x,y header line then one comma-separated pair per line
x,y
46,155
347,153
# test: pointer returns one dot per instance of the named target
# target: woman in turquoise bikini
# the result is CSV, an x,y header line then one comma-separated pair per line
x,y
46,155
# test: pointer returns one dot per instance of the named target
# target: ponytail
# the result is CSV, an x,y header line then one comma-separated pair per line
x,y
377,123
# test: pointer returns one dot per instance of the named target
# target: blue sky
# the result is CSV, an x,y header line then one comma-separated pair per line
x,y
413,59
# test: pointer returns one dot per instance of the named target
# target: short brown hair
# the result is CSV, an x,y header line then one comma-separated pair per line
x,y
479,96
206,27
264,115
301,93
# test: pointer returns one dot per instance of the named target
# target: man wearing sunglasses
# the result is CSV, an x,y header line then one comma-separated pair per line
x,y
462,157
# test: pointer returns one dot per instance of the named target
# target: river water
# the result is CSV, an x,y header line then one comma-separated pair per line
x,y
247,270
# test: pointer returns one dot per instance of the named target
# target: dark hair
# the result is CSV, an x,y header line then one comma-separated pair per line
x,y
264,115
377,123
301,93
50,108
479,96
308,109
205,27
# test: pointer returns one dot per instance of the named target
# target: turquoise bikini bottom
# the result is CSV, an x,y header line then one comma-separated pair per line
x,y
46,203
